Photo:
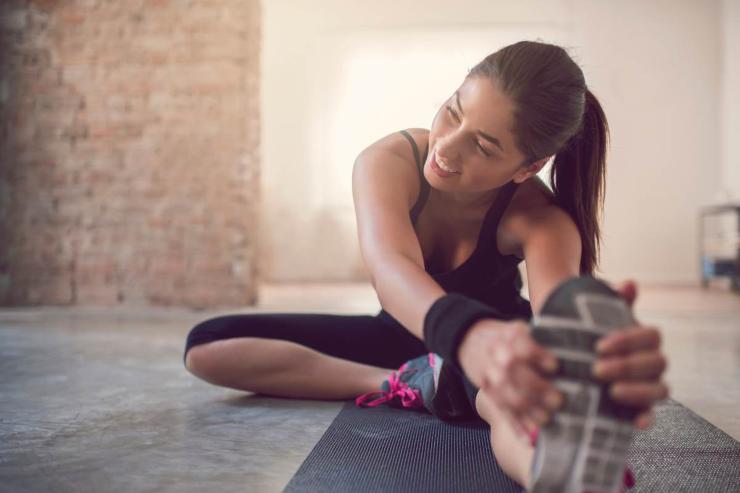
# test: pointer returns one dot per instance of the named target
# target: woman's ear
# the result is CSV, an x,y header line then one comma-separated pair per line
x,y
531,169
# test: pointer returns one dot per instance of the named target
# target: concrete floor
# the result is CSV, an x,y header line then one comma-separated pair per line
x,y
97,399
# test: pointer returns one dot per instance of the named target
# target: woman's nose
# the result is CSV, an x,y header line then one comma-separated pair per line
x,y
449,150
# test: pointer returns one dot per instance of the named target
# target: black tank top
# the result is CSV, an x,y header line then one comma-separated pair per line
x,y
487,275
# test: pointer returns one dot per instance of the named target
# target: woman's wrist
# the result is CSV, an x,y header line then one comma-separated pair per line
x,y
470,339
473,341
447,322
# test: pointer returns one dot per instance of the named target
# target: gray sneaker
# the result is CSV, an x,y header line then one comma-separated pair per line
x,y
412,386
584,446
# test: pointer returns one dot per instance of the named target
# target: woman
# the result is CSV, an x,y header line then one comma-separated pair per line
x,y
477,209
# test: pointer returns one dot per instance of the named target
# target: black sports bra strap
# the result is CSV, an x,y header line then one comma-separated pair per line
x,y
500,204
424,190
413,147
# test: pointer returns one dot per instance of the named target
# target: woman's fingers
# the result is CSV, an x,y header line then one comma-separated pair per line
x,y
513,376
628,291
538,391
515,400
524,392
629,340
638,394
522,425
527,350
645,420
644,365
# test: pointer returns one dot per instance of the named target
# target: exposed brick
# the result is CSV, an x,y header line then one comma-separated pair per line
x,y
128,174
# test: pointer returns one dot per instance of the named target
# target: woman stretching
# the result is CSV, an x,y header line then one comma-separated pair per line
x,y
442,232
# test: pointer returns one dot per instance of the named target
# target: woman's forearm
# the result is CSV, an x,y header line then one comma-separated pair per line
x,y
406,291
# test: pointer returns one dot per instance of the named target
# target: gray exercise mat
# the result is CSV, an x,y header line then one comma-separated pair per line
x,y
388,450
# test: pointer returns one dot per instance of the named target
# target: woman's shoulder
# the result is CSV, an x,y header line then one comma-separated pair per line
x,y
397,144
387,169
531,196
535,202
533,206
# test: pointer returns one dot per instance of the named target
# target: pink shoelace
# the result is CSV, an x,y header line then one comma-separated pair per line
x,y
409,397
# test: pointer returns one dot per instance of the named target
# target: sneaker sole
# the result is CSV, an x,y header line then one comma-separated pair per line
x,y
584,446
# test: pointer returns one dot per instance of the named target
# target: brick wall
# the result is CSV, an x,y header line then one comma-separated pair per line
x,y
129,152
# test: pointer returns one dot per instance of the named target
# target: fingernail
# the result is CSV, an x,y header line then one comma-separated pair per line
x,y
551,364
553,400
540,416
599,369
616,392
601,346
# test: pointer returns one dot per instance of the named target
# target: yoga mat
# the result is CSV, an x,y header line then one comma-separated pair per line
x,y
388,450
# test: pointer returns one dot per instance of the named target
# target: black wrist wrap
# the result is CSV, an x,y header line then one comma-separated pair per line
x,y
447,322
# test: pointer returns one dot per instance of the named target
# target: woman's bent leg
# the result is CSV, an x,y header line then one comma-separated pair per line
x,y
281,368
317,356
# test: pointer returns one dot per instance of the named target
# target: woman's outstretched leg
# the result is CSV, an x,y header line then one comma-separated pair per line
x,y
513,453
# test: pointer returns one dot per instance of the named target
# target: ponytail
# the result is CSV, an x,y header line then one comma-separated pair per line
x,y
578,178
547,88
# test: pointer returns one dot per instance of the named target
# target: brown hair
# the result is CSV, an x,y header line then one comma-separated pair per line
x,y
555,113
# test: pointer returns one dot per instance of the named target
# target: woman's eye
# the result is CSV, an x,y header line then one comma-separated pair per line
x,y
454,114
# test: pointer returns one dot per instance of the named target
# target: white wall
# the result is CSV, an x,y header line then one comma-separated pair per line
x,y
730,101
338,75
656,67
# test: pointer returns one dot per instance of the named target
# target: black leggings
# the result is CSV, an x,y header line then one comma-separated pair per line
x,y
366,339
377,340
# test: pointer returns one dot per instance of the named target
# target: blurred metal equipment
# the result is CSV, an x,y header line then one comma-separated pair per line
x,y
719,230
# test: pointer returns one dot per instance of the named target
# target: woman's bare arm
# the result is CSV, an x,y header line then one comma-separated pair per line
x,y
503,362
385,185
552,251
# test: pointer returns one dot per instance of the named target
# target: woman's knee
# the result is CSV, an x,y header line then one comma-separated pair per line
x,y
198,351
201,359
216,357
212,329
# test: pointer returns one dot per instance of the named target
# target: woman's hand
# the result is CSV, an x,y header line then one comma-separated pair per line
x,y
631,360
510,368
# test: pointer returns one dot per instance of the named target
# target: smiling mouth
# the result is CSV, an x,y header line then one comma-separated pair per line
x,y
441,165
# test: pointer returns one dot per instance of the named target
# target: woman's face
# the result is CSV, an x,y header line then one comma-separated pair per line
x,y
471,135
